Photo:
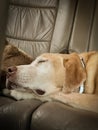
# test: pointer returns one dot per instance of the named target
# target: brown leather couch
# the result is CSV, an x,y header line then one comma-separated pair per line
x,y
39,26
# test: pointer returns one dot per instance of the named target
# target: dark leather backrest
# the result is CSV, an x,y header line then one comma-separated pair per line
x,y
78,27
3,19
85,28
39,26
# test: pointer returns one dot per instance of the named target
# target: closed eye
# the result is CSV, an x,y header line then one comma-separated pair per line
x,y
42,61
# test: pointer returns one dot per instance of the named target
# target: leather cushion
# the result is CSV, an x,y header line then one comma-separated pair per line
x,y
17,115
57,116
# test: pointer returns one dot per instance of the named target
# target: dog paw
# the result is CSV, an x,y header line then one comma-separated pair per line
x,y
15,95
20,95
60,96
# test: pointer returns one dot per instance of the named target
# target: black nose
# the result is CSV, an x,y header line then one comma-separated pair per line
x,y
11,70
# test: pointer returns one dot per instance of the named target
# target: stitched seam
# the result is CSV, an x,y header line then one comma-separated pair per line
x,y
23,39
28,6
34,110
32,6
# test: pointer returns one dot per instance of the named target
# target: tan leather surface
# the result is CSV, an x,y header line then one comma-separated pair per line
x,y
53,25
63,25
30,25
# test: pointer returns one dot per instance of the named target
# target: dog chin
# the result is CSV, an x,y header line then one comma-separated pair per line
x,y
13,86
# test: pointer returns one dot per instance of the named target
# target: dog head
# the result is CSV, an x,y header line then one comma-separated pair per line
x,y
48,73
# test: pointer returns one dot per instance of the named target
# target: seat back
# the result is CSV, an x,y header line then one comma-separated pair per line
x,y
39,26
3,19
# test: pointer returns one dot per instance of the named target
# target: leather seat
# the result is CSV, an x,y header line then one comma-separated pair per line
x,y
38,26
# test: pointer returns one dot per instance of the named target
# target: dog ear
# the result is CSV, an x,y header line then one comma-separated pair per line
x,y
74,72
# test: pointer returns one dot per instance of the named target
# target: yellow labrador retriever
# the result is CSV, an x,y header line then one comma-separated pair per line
x,y
69,78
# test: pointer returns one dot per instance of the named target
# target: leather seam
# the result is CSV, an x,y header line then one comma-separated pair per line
x,y
22,39
29,6
34,111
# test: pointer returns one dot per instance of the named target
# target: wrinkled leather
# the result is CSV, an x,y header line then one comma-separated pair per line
x,y
52,25
30,25
57,116
17,115
39,26
5,100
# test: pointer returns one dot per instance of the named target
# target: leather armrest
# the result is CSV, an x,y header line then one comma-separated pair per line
x,y
58,116
17,115
35,115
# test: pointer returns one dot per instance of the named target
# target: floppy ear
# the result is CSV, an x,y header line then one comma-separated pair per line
x,y
74,73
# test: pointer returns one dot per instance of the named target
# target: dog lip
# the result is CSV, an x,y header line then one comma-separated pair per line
x,y
10,85
39,91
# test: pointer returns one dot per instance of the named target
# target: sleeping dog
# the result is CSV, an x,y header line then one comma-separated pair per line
x,y
69,78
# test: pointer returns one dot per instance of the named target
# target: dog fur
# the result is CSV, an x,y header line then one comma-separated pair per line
x,y
58,77
12,56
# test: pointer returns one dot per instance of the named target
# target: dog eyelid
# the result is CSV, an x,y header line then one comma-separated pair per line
x,y
41,61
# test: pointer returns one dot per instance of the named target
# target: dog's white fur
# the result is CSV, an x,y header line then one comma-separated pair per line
x,y
56,75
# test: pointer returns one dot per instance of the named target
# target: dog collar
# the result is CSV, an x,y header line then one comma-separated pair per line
x,y
82,62
81,88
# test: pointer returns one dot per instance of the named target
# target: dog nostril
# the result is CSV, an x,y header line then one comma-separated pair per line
x,y
12,69
9,70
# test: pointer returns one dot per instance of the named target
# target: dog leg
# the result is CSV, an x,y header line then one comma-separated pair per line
x,y
83,101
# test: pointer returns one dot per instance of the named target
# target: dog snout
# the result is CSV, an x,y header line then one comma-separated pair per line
x,y
11,71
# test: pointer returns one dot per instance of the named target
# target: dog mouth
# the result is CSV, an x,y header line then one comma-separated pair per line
x,y
10,85
39,91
